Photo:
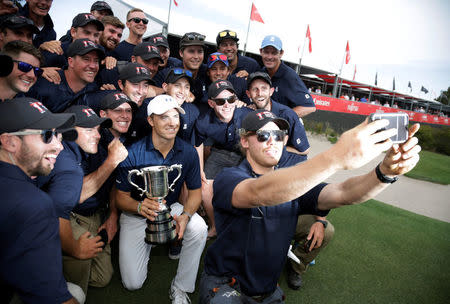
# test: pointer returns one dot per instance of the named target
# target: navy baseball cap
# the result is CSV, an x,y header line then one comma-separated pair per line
x,y
85,18
102,6
257,119
272,40
177,73
218,86
29,113
258,75
135,72
85,117
16,22
83,46
114,100
214,57
192,38
147,50
158,40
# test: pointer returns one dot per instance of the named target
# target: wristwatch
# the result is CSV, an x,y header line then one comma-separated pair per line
x,y
324,223
187,213
383,178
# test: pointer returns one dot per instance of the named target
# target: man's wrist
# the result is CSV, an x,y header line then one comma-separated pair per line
x,y
384,178
189,215
324,223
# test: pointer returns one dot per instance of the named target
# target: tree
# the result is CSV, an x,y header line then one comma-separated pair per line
x,y
444,97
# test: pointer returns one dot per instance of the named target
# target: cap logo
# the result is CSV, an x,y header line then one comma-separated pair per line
x,y
156,39
265,114
221,83
141,70
152,48
272,38
89,112
88,43
119,96
89,16
39,106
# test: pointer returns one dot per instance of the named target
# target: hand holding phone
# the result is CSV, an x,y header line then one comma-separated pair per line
x,y
104,237
397,121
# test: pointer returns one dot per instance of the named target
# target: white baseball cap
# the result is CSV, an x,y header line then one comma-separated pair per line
x,y
161,104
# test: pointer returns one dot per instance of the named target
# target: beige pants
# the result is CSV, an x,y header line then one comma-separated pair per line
x,y
301,233
95,272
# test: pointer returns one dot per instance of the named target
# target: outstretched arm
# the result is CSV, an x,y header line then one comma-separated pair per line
x,y
399,160
354,149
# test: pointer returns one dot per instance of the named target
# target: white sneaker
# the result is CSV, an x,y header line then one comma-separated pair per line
x,y
178,296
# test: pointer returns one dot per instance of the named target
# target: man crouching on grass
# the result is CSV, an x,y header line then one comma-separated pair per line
x,y
256,205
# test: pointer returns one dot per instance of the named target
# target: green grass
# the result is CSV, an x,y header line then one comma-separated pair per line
x,y
379,254
432,167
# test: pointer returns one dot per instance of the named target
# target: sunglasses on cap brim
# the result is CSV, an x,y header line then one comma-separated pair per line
x,y
227,33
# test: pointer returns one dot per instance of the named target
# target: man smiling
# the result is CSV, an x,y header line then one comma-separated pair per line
x,y
78,79
25,71
137,26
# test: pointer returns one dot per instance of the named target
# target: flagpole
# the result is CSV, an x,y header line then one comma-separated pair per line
x,y
335,89
166,28
299,67
248,29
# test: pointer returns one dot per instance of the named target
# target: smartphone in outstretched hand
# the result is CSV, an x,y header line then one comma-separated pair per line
x,y
399,121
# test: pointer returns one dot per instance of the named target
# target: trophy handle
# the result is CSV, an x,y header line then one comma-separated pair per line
x,y
137,172
178,167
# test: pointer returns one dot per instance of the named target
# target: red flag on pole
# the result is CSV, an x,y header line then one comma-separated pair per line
x,y
347,54
354,73
176,3
255,16
308,35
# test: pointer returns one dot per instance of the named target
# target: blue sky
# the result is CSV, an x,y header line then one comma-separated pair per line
x,y
405,39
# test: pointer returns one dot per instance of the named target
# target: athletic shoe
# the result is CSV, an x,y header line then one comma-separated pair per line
x,y
178,296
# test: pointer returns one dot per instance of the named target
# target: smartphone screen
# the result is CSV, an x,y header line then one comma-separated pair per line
x,y
397,121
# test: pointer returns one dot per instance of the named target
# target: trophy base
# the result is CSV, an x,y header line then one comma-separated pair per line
x,y
160,237
161,230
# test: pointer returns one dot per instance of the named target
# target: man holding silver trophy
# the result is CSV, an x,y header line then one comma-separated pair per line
x,y
146,218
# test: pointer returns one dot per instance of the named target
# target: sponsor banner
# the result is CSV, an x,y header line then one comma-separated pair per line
x,y
327,103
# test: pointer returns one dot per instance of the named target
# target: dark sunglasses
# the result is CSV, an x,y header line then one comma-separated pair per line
x,y
221,57
195,37
227,33
221,101
137,20
182,72
264,135
47,135
26,67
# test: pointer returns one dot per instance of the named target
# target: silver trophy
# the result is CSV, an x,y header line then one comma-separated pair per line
x,y
156,184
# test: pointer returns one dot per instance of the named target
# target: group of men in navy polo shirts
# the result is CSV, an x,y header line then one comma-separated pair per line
x,y
152,109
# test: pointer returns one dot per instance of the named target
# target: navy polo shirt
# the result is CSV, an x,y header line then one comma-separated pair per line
x,y
65,181
289,88
240,87
108,76
224,135
30,258
58,97
173,62
90,163
252,244
46,34
56,60
297,135
246,63
187,122
143,154
124,51
139,127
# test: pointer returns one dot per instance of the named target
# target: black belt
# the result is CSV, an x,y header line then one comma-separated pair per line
x,y
87,212
260,298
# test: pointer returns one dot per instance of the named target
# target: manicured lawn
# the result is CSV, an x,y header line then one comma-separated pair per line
x,y
379,254
432,167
